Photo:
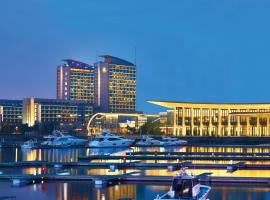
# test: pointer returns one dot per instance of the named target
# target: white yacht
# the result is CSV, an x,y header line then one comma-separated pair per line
x,y
30,144
107,139
58,139
185,187
170,141
149,141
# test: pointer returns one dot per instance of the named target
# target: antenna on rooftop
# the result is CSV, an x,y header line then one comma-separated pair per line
x,y
135,55
96,56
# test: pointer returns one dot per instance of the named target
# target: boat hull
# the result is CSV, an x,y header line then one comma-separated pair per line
x,y
96,144
204,192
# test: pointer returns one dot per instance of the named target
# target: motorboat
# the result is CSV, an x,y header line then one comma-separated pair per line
x,y
184,187
149,141
64,173
171,141
30,144
107,139
58,139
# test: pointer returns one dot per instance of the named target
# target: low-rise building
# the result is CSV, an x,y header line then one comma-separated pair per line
x,y
11,112
219,119
62,112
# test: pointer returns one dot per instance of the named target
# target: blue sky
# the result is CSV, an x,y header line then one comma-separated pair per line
x,y
214,51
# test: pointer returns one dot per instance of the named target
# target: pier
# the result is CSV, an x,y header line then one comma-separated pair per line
x,y
131,178
212,157
135,165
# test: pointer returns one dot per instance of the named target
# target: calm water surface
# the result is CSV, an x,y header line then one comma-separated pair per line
x,y
72,154
86,190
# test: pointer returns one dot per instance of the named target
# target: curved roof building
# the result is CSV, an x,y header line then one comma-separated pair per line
x,y
219,119
117,61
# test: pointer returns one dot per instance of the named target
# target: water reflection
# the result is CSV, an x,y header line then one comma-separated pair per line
x,y
86,190
215,172
104,151
72,154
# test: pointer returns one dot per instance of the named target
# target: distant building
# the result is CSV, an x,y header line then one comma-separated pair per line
x,y
11,112
166,121
216,119
62,112
1,114
75,81
115,85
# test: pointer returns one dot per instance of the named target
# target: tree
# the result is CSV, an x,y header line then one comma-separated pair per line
x,y
151,128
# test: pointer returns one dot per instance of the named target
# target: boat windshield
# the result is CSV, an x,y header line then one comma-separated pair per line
x,y
182,187
113,139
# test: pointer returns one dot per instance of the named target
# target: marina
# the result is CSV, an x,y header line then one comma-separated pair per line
x,y
107,168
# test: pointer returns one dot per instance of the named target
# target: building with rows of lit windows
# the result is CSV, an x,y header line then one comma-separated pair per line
x,y
10,112
55,111
216,119
75,81
115,85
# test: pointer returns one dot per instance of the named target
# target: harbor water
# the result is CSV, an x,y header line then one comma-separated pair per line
x,y
138,191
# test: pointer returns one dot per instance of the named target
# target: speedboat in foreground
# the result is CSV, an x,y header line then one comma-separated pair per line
x,y
148,141
30,144
58,139
186,187
107,139
170,141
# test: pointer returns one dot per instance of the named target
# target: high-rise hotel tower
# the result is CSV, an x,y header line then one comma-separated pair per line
x,y
115,85
75,81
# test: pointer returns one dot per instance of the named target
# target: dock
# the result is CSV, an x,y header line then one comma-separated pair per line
x,y
131,178
134,165
157,157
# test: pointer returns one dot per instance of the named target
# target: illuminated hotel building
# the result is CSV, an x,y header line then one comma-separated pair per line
x,y
62,112
75,81
115,85
218,119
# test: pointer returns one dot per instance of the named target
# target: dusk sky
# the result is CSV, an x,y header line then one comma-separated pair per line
x,y
187,50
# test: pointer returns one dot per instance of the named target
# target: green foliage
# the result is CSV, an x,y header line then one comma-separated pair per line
x,y
131,129
150,128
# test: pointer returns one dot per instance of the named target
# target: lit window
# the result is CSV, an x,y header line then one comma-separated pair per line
x,y
104,69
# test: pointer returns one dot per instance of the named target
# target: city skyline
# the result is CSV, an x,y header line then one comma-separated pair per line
x,y
208,51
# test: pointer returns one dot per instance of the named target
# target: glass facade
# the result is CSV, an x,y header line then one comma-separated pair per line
x,y
205,119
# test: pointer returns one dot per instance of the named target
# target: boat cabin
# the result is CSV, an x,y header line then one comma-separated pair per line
x,y
183,187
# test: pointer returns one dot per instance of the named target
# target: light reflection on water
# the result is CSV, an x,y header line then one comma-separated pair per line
x,y
72,154
86,190
215,172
